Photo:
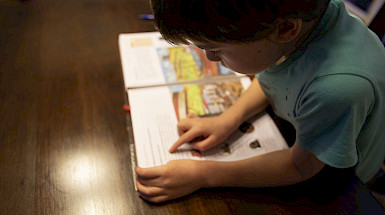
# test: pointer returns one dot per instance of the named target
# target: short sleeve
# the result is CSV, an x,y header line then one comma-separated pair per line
x,y
329,116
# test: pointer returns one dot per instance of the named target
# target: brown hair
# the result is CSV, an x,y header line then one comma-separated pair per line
x,y
230,21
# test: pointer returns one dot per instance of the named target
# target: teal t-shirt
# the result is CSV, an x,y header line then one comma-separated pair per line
x,y
332,89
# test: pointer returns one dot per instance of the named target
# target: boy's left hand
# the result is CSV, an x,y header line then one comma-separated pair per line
x,y
175,179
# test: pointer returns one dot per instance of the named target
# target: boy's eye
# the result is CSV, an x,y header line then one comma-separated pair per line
x,y
215,52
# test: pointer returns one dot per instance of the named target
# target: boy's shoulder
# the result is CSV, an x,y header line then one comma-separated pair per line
x,y
343,44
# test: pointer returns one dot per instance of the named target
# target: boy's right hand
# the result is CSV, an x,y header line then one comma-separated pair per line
x,y
203,133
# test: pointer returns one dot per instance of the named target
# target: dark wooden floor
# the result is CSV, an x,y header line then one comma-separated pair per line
x,y
63,133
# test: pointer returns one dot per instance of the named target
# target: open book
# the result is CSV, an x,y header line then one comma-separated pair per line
x,y
165,82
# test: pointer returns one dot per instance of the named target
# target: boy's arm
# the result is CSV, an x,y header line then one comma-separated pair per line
x,y
216,129
279,168
250,103
181,177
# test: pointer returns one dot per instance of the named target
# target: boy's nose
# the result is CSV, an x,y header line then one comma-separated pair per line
x,y
212,56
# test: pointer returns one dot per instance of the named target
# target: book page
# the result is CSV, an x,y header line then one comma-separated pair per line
x,y
154,118
140,62
154,126
148,60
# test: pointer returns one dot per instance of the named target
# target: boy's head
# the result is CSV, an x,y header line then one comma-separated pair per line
x,y
247,36
227,21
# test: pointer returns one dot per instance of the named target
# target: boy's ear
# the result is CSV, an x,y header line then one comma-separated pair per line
x,y
286,30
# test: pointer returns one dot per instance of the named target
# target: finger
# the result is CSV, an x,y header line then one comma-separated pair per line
x,y
205,144
176,145
185,138
149,173
149,182
183,126
159,199
149,191
155,199
181,131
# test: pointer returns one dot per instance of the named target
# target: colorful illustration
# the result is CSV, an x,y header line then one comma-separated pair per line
x,y
187,63
207,99
190,63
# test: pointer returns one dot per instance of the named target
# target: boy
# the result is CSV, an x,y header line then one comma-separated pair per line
x,y
318,67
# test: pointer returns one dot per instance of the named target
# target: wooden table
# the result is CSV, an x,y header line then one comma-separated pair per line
x,y
64,145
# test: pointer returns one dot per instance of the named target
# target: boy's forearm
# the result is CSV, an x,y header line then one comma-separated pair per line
x,y
268,170
250,103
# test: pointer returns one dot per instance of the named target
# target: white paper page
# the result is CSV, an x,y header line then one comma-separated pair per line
x,y
139,59
154,126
